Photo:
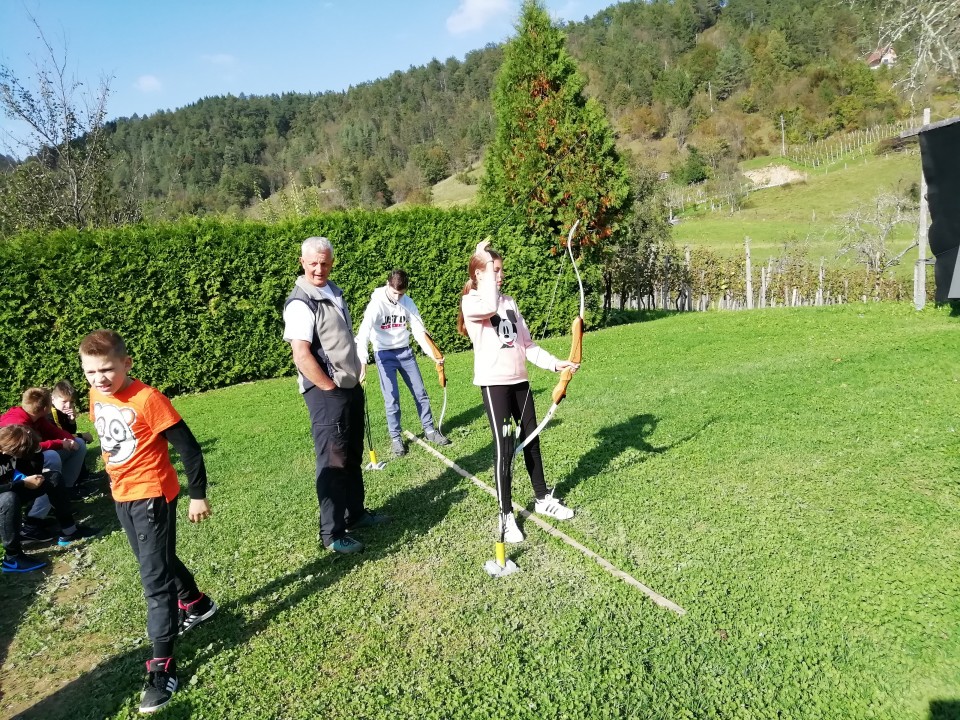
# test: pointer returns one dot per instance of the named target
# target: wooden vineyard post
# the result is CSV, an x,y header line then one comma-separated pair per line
x,y
920,269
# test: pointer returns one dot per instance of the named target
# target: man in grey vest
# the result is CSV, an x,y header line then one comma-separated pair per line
x,y
317,326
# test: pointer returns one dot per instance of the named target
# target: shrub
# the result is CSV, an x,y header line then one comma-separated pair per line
x,y
200,301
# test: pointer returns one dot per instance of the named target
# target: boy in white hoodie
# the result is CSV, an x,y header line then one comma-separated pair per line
x,y
385,322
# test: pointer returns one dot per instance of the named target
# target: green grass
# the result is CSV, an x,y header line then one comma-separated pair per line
x,y
450,192
788,476
808,209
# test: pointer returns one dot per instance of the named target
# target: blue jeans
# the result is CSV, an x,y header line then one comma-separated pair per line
x,y
389,363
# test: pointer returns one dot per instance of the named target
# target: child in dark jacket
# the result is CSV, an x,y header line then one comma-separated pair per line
x,y
64,410
22,481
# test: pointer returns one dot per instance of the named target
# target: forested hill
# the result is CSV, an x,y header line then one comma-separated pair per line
x,y
669,72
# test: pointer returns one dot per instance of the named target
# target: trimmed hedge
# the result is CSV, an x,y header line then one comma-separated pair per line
x,y
200,301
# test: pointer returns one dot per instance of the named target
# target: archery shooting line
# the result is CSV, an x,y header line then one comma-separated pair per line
x,y
656,597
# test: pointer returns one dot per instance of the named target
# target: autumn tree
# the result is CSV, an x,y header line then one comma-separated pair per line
x,y
865,233
639,256
553,160
65,180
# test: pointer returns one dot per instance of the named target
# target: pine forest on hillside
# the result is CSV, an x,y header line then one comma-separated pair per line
x,y
690,86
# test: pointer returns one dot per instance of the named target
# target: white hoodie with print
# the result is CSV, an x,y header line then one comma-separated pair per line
x,y
385,325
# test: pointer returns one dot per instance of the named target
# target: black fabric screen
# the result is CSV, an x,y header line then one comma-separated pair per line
x,y
940,152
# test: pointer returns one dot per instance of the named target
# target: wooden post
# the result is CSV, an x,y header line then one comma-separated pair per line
x,y
820,285
746,246
666,282
920,269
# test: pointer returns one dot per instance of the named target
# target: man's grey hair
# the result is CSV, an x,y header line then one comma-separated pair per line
x,y
315,245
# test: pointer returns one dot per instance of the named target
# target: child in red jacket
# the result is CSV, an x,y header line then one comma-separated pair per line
x,y
62,452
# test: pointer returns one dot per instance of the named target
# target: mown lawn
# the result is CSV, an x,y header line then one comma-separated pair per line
x,y
788,476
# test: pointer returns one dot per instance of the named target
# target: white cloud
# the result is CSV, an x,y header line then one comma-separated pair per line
x,y
221,59
148,84
475,14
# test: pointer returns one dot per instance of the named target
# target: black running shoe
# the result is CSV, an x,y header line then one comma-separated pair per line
x,y
161,684
21,564
194,613
31,533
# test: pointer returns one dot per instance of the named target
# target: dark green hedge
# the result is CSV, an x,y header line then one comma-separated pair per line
x,y
199,302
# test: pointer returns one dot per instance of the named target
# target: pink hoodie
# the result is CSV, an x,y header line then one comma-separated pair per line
x,y
501,340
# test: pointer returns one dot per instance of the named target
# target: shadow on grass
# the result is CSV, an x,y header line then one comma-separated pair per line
x,y
945,710
110,686
633,433
464,418
18,592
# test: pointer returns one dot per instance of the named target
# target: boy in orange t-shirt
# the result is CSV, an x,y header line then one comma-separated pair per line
x,y
135,423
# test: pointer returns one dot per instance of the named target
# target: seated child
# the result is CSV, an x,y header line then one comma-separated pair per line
x,y
20,455
33,412
63,415
62,452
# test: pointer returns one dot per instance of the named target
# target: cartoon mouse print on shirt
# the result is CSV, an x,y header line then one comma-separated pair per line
x,y
114,428
506,328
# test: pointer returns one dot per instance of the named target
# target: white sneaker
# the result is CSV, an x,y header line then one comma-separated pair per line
x,y
511,533
551,507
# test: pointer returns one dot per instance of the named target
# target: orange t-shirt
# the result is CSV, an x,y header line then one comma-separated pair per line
x,y
129,424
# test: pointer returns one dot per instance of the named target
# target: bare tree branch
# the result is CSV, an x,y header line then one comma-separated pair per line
x,y
64,181
865,232
930,30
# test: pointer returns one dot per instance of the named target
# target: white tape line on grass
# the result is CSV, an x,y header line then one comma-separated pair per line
x,y
546,527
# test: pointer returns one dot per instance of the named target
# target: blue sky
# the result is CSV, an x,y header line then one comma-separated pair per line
x,y
164,54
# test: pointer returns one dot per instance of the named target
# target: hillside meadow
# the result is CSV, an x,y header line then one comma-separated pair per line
x,y
789,477
808,211
802,218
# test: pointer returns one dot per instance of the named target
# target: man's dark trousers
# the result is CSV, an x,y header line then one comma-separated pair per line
x,y
336,419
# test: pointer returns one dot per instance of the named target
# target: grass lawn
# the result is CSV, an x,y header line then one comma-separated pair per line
x,y
790,477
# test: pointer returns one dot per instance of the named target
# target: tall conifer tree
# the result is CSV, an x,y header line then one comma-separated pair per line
x,y
553,160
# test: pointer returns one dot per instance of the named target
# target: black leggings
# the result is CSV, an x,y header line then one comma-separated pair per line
x,y
503,402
